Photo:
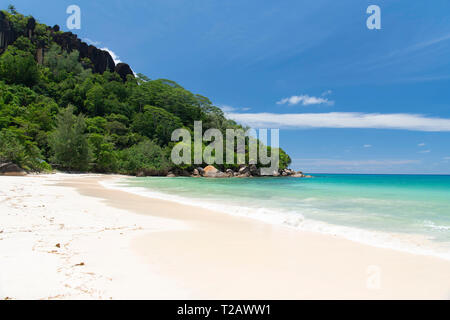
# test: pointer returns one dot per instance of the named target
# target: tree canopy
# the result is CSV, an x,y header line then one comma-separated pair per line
x,y
61,112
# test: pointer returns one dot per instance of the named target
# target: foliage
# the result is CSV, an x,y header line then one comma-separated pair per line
x,y
146,157
24,44
64,113
156,123
62,63
104,155
18,67
69,141
18,149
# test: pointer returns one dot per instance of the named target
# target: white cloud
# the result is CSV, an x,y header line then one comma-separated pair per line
x,y
421,144
367,146
91,42
305,100
425,151
430,42
114,56
398,121
352,163
227,109
446,158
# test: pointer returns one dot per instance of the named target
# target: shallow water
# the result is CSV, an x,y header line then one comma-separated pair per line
x,y
409,212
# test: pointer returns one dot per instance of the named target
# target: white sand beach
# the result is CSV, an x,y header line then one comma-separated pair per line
x,y
65,236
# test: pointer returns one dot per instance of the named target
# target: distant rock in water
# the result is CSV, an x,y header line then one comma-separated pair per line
x,y
213,172
244,171
210,169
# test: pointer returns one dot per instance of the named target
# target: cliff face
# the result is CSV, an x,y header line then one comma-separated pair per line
x,y
101,60
7,34
123,70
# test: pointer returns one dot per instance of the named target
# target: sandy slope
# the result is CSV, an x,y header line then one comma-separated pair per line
x,y
37,214
114,244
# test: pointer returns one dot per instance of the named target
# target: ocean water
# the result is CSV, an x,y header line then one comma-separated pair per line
x,y
404,212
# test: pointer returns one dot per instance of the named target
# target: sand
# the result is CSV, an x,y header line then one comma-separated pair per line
x,y
68,237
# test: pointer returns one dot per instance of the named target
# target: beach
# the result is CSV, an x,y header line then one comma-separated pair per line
x,y
67,236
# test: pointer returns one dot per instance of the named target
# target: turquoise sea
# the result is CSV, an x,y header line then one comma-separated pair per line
x,y
407,212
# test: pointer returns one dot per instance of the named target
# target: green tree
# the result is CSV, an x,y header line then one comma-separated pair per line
x,y
104,155
146,157
156,124
95,103
12,9
18,67
24,44
69,142
128,125
17,148
62,63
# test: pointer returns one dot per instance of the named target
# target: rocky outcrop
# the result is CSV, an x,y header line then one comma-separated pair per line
x,y
292,173
229,173
101,59
123,70
213,172
243,172
31,24
248,171
210,169
11,169
7,34
254,171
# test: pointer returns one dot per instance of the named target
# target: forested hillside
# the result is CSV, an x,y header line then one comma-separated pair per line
x,y
63,105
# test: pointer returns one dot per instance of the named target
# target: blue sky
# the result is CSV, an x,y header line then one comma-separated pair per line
x,y
346,98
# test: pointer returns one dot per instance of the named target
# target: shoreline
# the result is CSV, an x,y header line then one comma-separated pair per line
x,y
410,243
137,247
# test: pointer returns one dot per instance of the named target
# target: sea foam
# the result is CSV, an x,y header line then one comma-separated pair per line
x,y
411,243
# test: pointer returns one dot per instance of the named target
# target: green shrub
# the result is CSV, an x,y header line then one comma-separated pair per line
x,y
104,156
69,142
18,67
156,124
128,125
16,148
146,157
